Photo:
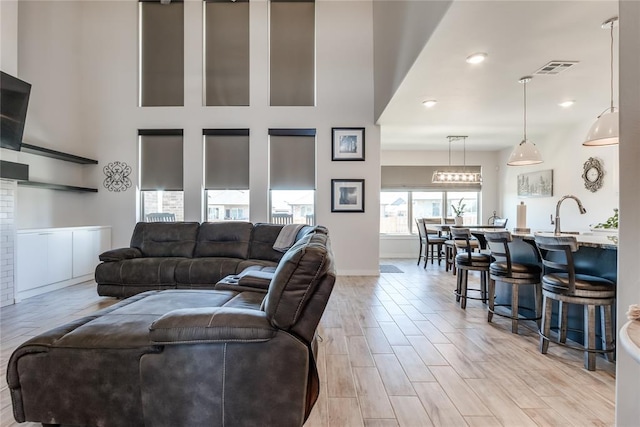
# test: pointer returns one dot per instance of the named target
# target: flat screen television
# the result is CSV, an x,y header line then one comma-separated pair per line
x,y
14,99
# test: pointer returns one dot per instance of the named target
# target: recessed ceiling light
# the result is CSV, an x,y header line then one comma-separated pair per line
x,y
429,103
476,58
567,104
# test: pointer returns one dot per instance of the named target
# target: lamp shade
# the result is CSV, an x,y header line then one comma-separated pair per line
x,y
604,131
525,153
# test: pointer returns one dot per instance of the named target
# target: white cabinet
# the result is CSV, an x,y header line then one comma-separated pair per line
x,y
88,244
53,258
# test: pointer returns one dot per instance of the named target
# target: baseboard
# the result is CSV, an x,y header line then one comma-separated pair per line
x,y
20,295
359,273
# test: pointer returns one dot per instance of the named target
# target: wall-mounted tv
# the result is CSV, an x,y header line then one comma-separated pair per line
x,y
14,99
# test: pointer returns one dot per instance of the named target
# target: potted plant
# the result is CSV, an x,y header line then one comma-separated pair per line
x,y
458,210
611,224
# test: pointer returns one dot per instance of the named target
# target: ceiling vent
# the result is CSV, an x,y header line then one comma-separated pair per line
x,y
555,67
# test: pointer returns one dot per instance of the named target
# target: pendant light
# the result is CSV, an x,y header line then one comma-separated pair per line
x,y
605,130
457,177
525,153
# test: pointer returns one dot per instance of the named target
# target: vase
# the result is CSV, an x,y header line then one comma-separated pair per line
x,y
457,220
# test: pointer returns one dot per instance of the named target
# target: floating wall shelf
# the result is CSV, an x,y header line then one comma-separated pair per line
x,y
47,152
57,187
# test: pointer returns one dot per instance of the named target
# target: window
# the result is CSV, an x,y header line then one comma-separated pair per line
x,y
399,209
408,193
292,52
292,175
161,171
161,53
226,52
226,174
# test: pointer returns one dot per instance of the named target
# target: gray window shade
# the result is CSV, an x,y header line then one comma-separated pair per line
x,y
419,178
162,54
226,162
292,162
161,162
292,53
227,53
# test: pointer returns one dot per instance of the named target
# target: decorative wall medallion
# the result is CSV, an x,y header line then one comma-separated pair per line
x,y
117,176
593,174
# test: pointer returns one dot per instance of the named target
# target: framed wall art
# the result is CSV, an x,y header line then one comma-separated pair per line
x,y
347,195
536,184
347,144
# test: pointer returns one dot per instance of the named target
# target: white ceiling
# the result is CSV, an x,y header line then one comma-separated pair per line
x,y
485,101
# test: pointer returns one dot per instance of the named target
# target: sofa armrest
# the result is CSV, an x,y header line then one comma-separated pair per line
x,y
212,324
120,254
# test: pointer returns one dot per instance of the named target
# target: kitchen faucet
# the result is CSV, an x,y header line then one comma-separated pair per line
x,y
583,211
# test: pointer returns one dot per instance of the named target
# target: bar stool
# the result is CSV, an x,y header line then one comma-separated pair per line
x,y
516,274
562,284
429,242
451,250
467,260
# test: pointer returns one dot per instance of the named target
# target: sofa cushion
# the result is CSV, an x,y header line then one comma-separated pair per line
x,y
296,278
224,239
204,271
262,240
155,272
157,239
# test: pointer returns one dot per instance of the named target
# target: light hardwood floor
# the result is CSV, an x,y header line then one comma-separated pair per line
x,y
396,350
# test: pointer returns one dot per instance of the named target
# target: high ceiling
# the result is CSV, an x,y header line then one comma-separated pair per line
x,y
485,101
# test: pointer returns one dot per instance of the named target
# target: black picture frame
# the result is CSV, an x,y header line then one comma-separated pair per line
x,y
347,195
347,144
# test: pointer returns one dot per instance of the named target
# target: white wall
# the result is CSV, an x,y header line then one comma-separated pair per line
x,y
49,57
407,246
88,51
627,369
400,31
564,153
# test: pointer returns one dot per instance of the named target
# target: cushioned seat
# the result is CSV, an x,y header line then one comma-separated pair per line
x,y
504,270
585,285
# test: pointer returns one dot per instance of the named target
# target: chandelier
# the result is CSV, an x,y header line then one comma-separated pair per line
x,y
450,176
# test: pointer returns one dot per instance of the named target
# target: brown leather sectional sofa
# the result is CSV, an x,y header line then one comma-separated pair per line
x,y
185,357
187,255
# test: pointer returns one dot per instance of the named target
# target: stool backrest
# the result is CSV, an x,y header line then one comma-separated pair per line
x,y
461,237
499,244
551,250
422,230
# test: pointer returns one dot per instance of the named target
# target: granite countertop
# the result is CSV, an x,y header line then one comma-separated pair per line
x,y
594,239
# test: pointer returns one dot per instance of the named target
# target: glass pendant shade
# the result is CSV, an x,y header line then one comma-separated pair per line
x,y
525,153
604,131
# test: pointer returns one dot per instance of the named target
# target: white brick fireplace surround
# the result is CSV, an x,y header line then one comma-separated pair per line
x,y
8,192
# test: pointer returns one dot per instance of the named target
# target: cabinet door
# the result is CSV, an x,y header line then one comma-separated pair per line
x,y
84,249
31,261
59,249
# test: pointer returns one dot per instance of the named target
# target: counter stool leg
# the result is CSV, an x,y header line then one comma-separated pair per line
x,y
590,337
547,307
514,308
458,287
492,298
464,280
483,286
607,331
538,291
563,316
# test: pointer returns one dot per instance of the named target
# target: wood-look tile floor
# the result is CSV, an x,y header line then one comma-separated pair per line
x,y
397,350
